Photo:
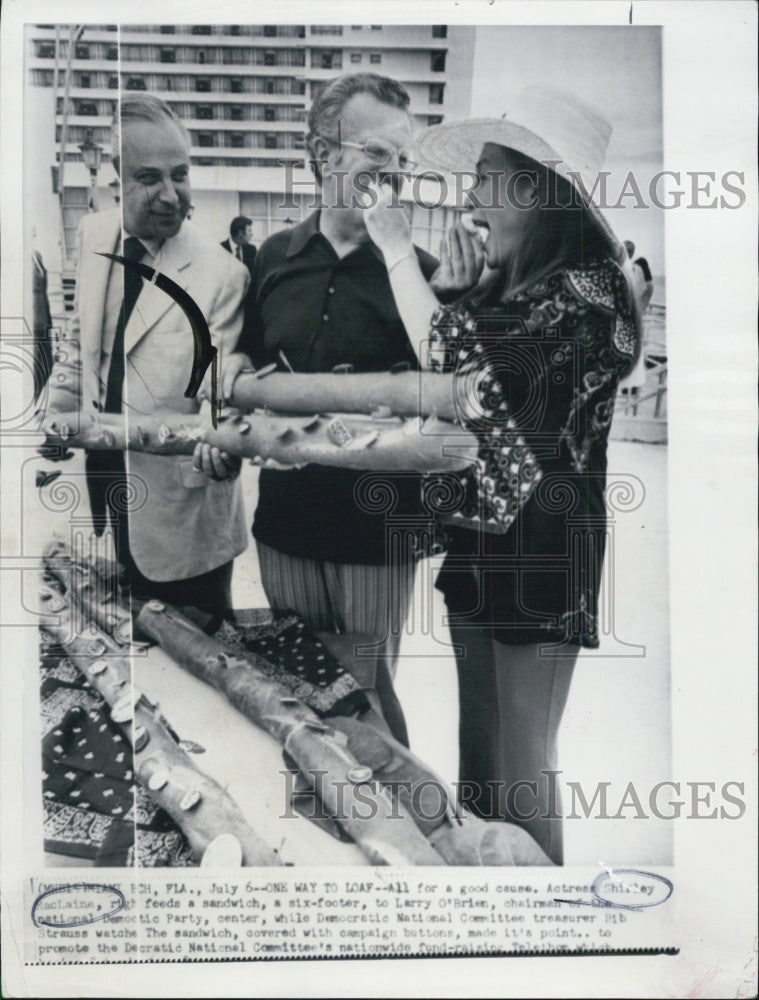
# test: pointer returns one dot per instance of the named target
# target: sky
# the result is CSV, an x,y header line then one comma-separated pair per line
x,y
615,69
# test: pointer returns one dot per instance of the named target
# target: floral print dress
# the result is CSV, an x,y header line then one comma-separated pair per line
x,y
539,376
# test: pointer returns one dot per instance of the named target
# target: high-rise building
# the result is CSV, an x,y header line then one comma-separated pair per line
x,y
243,91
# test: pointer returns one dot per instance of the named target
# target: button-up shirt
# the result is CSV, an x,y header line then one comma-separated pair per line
x,y
321,310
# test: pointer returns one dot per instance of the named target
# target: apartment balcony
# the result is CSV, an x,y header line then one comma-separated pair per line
x,y
247,153
226,97
127,37
247,125
206,69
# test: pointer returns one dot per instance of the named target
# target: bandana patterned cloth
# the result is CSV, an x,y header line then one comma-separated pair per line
x,y
93,808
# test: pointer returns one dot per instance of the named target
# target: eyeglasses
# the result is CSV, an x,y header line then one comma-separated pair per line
x,y
379,152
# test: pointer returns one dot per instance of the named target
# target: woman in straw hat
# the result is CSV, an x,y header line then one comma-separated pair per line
x,y
541,344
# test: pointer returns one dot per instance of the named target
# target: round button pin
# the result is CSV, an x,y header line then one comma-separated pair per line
x,y
189,799
357,775
123,710
141,738
158,780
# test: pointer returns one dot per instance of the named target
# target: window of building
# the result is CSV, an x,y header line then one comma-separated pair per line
x,y
376,27
112,52
356,27
436,93
46,50
269,87
298,87
270,57
113,82
234,29
237,140
235,85
203,85
85,80
355,57
326,29
270,114
201,56
375,58
88,108
326,60
168,55
206,139
168,29
135,83
201,29
270,31
270,140
439,30
235,113
434,119
204,111
437,62
82,52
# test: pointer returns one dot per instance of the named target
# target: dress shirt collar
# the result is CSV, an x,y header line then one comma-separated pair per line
x,y
152,247
305,231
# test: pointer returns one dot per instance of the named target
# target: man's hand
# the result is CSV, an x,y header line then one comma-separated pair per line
x,y
231,367
214,463
462,259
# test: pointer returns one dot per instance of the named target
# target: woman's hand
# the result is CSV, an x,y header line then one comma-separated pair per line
x,y
462,260
386,222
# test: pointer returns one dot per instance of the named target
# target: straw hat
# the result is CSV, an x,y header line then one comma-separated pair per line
x,y
549,125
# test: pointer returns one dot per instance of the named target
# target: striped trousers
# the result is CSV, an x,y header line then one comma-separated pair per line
x,y
366,605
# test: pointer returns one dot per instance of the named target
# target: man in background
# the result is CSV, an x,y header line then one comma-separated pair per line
x,y
239,243
643,290
643,286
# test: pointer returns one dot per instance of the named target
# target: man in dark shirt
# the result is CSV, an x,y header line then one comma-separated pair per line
x,y
321,298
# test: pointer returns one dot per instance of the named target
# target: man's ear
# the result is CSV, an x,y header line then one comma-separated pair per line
x,y
320,148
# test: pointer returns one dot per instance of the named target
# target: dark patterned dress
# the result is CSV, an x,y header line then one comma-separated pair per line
x,y
540,375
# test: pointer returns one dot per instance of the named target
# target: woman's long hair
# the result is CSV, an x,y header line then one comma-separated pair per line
x,y
563,232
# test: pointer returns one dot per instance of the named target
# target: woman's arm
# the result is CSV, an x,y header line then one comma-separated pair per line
x,y
461,264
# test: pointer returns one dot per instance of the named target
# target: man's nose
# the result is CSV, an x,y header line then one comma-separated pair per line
x,y
168,193
393,165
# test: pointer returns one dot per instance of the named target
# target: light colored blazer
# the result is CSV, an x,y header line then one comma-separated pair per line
x,y
181,524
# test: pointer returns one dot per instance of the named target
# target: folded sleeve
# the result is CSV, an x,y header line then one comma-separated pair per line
x,y
506,471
